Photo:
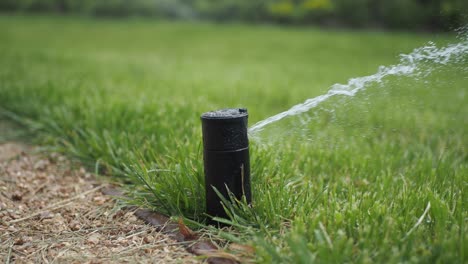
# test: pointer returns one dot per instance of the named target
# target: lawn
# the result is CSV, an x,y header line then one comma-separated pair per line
x,y
380,177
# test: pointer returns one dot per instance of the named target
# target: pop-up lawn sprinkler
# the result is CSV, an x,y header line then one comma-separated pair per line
x,y
226,157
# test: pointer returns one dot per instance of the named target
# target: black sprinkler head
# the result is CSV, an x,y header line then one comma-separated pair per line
x,y
226,157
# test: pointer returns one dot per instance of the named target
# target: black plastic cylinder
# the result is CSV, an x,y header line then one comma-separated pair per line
x,y
226,157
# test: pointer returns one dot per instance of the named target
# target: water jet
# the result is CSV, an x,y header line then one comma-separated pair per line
x,y
225,157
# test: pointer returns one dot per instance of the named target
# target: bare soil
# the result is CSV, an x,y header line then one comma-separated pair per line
x,y
53,211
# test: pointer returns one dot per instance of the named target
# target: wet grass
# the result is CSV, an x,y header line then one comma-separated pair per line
x,y
378,178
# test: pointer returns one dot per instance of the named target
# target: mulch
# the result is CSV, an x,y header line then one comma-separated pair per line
x,y
54,211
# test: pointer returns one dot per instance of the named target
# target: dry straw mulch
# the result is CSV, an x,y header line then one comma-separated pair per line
x,y
52,211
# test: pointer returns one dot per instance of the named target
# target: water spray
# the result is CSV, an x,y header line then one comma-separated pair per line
x,y
411,64
226,157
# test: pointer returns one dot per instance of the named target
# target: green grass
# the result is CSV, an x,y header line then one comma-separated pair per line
x,y
349,185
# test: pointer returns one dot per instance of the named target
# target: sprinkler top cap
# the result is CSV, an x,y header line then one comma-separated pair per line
x,y
225,129
227,113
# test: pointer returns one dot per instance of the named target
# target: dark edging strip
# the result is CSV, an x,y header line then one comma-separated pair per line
x,y
162,223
